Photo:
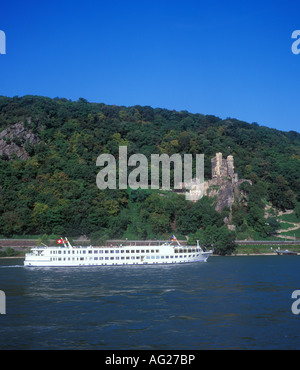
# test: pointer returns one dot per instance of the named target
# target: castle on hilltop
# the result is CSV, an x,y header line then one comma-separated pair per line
x,y
224,183
222,167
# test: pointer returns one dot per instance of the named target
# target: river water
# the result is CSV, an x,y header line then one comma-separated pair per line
x,y
226,303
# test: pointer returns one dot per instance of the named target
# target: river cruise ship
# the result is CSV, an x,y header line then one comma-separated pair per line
x,y
67,255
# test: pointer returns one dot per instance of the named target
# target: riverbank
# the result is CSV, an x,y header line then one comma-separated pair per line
x,y
263,249
241,250
213,255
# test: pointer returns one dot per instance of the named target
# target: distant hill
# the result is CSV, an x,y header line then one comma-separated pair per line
x,y
48,151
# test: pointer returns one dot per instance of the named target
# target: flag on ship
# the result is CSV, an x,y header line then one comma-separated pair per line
x,y
59,241
173,237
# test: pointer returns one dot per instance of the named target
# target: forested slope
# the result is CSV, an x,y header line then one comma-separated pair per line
x,y
49,147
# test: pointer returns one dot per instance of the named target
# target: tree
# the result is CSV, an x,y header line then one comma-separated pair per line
x,y
219,238
297,210
10,224
281,195
273,224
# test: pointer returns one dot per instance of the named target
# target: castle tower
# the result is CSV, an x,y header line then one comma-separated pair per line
x,y
222,167
230,166
216,164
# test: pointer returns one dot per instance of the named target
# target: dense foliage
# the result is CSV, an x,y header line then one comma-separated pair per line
x,y
54,190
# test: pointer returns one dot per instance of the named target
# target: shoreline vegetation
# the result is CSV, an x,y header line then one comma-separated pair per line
x,y
240,250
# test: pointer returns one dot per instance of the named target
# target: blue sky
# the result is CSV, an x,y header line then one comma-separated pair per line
x,y
226,58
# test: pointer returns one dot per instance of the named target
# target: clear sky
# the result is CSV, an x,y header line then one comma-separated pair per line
x,y
226,58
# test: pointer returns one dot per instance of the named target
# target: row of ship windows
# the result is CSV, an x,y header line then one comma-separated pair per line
x,y
117,258
95,251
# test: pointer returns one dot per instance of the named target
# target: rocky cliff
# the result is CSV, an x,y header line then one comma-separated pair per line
x,y
16,140
224,185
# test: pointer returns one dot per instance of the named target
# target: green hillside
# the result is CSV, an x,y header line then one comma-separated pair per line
x,y
48,151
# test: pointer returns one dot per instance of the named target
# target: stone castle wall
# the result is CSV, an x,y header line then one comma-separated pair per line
x,y
224,183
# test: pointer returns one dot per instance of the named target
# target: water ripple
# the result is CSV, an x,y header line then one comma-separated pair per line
x,y
233,303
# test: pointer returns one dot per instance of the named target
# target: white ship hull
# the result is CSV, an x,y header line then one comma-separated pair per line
x,y
114,256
